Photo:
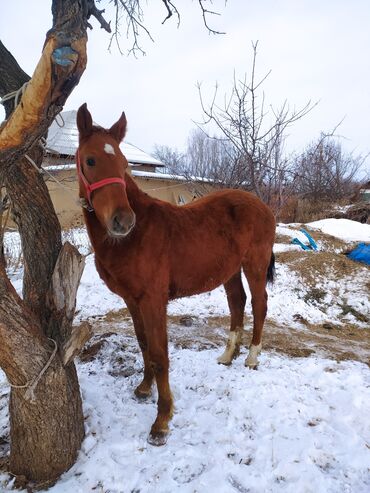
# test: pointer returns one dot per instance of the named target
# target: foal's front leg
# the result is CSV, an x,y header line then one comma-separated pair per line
x,y
144,389
153,312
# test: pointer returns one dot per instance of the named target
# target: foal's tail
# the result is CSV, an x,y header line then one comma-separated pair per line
x,y
271,270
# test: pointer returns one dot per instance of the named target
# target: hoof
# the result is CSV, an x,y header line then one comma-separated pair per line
x,y
252,361
142,394
158,438
224,360
251,366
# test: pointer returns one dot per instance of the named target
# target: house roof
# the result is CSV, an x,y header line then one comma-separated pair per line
x,y
63,139
167,176
157,176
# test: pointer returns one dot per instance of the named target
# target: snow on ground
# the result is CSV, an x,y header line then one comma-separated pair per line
x,y
295,425
283,247
93,297
287,298
288,230
345,229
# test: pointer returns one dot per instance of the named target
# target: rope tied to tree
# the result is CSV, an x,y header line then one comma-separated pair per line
x,y
14,95
31,161
29,395
62,122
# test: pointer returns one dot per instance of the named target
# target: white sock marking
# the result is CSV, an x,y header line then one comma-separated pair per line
x,y
252,360
232,344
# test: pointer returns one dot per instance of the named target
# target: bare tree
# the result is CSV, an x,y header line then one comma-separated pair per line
x,y
324,171
249,151
212,160
256,133
173,159
37,342
206,160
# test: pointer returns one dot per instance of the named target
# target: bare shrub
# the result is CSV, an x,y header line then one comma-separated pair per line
x,y
324,171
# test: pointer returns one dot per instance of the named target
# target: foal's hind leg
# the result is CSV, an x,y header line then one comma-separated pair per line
x,y
236,299
144,389
256,276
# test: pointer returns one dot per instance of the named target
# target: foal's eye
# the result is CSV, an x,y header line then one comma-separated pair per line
x,y
90,161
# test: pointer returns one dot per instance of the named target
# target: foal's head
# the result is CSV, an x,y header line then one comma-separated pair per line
x,y
101,172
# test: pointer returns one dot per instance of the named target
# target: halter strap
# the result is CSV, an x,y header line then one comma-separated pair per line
x,y
90,187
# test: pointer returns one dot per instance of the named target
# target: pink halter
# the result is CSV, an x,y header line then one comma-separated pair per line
x,y
90,187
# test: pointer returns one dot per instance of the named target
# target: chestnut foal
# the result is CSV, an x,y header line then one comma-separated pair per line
x,y
149,252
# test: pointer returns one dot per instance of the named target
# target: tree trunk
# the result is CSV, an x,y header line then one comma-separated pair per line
x,y
46,419
39,229
46,436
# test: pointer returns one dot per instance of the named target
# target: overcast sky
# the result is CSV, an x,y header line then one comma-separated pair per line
x,y
317,50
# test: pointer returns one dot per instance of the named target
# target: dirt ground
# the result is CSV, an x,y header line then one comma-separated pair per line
x,y
349,343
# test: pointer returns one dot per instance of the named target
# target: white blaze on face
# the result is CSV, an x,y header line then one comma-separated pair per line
x,y
109,149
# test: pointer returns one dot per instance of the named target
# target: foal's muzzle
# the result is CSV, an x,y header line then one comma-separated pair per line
x,y
121,223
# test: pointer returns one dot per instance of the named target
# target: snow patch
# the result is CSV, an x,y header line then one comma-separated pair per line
x,y
344,229
293,425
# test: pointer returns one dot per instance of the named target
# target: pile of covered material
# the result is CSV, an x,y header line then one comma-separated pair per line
x,y
361,253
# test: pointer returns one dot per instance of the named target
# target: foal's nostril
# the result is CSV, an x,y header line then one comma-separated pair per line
x,y
117,225
122,223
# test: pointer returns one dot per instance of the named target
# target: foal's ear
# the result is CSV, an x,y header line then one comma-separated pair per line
x,y
118,130
84,121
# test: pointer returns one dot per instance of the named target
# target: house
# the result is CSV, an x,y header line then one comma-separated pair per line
x,y
59,169
365,192
62,143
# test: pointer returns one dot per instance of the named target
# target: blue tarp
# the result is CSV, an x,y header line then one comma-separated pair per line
x,y
361,253
312,244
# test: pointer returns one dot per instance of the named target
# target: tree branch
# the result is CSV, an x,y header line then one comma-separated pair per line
x,y
204,15
171,8
95,12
